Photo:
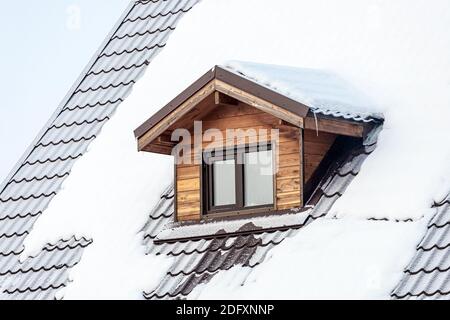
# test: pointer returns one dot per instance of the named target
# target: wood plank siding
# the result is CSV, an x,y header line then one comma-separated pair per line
x,y
287,145
316,146
188,193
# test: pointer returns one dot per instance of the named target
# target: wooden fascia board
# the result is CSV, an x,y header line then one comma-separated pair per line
x,y
261,92
220,86
336,126
248,91
175,115
174,103
230,78
258,103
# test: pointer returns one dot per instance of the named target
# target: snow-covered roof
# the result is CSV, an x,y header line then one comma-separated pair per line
x,y
199,259
300,91
141,33
324,92
137,38
428,274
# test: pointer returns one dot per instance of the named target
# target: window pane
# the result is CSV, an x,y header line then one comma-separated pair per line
x,y
258,178
224,182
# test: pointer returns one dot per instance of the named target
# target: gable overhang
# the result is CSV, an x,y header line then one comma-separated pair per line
x,y
220,80
247,91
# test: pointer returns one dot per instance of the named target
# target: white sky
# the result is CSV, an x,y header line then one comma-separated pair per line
x,y
44,47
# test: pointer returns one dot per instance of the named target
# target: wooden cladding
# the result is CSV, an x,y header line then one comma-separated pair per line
x,y
290,147
297,157
289,178
188,193
286,145
316,146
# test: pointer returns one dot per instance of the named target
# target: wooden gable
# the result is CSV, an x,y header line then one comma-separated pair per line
x,y
223,100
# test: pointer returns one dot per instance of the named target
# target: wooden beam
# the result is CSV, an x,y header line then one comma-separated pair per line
x,y
175,115
341,127
284,123
258,103
166,140
221,98
197,113
156,148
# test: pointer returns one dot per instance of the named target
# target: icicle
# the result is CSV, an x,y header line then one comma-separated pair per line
x,y
317,124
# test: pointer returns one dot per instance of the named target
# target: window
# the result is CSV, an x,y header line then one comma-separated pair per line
x,y
238,180
224,182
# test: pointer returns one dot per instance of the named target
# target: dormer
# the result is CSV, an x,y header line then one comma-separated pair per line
x,y
247,146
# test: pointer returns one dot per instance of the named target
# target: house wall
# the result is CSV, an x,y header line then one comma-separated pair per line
x,y
316,146
288,180
188,195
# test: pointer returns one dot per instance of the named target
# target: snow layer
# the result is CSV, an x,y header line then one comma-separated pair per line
x,y
230,226
328,259
379,47
108,197
396,52
321,90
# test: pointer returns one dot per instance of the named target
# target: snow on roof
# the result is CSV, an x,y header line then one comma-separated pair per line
x,y
112,188
427,275
133,43
217,227
327,259
322,91
197,261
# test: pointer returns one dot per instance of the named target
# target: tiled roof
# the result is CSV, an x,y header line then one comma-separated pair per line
x,y
108,79
196,261
141,33
41,276
428,275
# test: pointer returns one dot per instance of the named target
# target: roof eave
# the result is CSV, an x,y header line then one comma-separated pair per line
x,y
230,78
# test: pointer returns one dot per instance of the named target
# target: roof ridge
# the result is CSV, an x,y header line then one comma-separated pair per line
x,y
76,123
409,294
109,86
238,233
52,143
31,196
54,159
438,268
224,247
160,14
118,53
137,33
45,177
20,216
43,268
93,105
38,288
113,69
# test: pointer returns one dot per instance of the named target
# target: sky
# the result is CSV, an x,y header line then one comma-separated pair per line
x,y
45,46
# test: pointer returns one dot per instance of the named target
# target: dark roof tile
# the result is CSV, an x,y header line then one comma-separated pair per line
x,y
428,274
197,261
140,34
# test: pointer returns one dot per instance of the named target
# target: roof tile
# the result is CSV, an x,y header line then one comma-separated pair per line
x,y
107,81
197,261
428,274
